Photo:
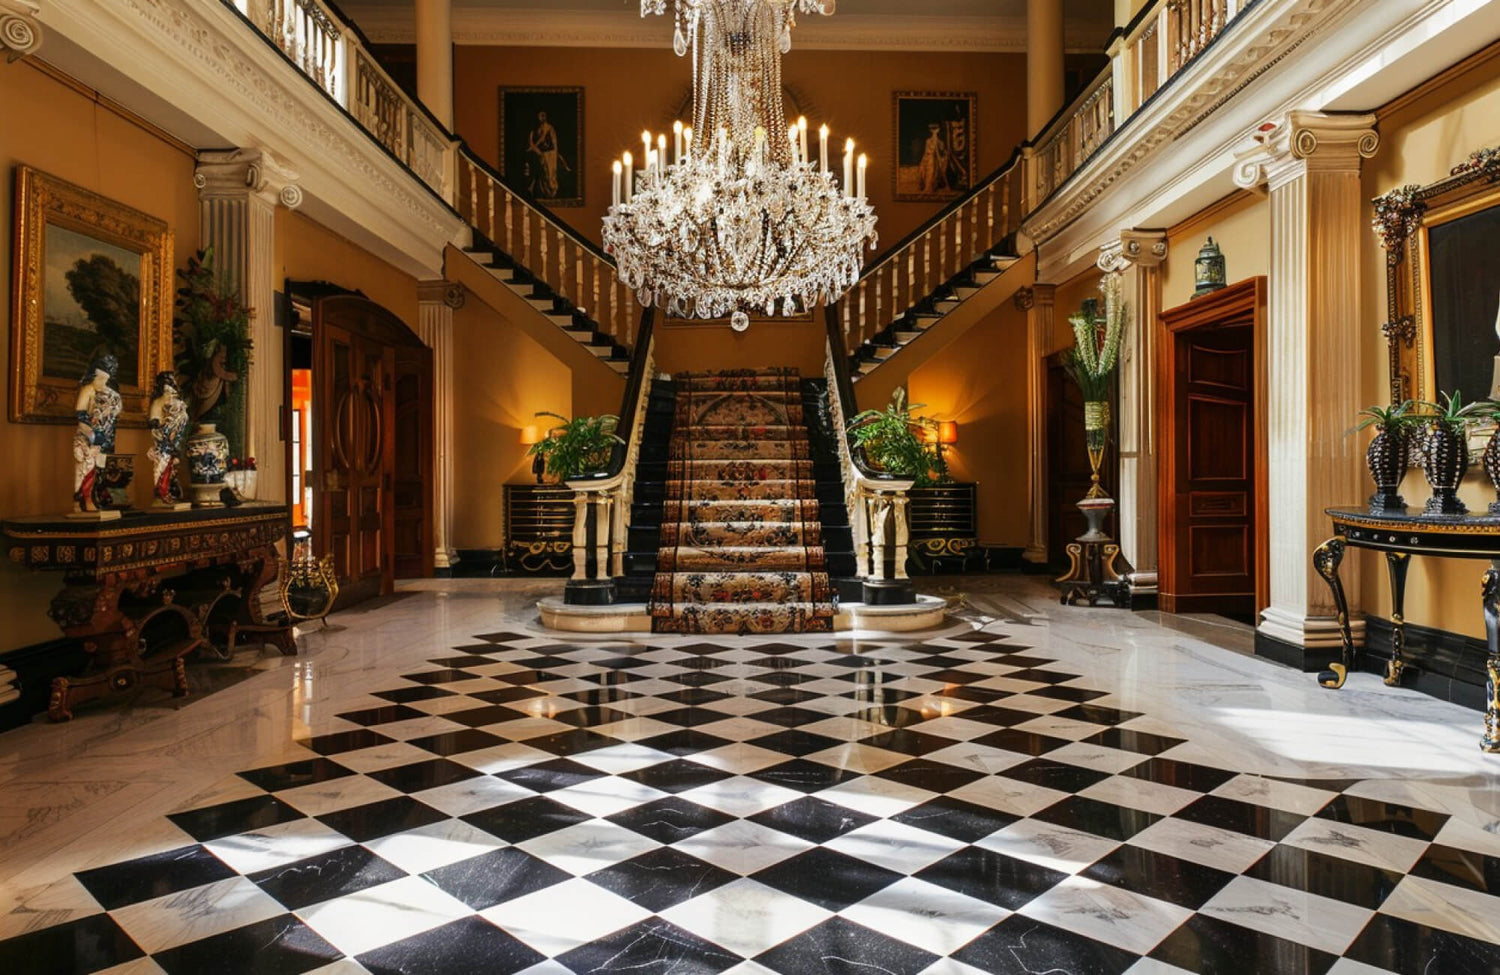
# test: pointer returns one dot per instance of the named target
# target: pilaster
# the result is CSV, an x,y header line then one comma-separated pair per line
x,y
1310,162
20,33
238,192
1037,302
437,301
1137,257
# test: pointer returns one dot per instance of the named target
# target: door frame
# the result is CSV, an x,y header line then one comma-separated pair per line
x,y
1245,299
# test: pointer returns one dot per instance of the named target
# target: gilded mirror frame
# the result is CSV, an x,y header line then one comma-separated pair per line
x,y
1403,219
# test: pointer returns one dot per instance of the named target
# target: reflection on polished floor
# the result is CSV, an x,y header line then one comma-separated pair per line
x,y
438,786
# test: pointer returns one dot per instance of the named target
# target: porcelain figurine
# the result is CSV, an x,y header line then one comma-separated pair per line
x,y
98,410
169,419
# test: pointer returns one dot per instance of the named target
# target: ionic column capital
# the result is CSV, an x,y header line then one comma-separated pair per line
x,y
449,293
1301,142
20,34
238,173
1134,248
1035,296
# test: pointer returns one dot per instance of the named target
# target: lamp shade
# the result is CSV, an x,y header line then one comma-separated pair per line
x,y
531,435
947,432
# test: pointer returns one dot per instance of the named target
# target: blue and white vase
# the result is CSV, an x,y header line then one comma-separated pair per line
x,y
208,462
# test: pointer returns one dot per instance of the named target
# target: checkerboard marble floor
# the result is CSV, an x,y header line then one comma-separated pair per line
x,y
1068,794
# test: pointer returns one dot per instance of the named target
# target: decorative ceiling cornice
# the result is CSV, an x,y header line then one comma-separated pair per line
x,y
846,32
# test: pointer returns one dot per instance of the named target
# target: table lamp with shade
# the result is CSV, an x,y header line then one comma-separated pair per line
x,y
531,436
947,436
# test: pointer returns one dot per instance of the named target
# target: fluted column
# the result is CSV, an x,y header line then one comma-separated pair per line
x,y
1037,302
238,192
1044,63
1137,257
435,58
437,300
1310,162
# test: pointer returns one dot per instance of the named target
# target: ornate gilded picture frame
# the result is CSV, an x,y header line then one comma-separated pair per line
x,y
1442,320
541,143
936,145
91,276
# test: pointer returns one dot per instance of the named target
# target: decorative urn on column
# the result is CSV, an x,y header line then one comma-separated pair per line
x,y
1209,271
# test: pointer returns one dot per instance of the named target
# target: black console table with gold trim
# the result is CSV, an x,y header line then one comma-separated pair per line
x,y
1400,536
143,591
539,528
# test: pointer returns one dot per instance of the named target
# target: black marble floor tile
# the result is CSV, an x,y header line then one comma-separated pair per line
x,y
678,775
275,778
924,773
381,715
1209,946
968,692
529,677
524,819
652,947
1100,818
1041,675
784,678
406,695
804,775
89,944
661,879
384,818
1183,775
888,715
1385,817
428,774
1462,868
462,660
495,877
490,714
281,945
1060,693
879,694
695,696
684,742
508,695
468,946
907,742
954,676
812,819
1326,876
790,717
956,819
827,878
559,773
992,877
446,675
1098,714
699,678
1055,774
1404,946
670,819
798,743
600,696
229,818
1157,875
1134,741
1241,817
1021,742
344,741
1000,717
500,638
785,695
572,742
840,947
333,874
1020,946
619,663
691,716
544,661
457,742
149,877
591,717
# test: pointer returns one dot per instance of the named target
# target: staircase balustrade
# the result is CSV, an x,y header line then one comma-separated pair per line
x,y
602,503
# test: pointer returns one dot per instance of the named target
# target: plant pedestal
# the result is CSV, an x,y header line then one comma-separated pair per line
x,y
1094,572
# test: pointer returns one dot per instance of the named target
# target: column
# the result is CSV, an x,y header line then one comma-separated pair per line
x,y
238,192
20,35
1310,162
435,58
1137,257
437,301
1037,302
1044,63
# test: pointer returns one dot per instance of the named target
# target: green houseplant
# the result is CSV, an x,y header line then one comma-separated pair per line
x,y
212,348
578,446
1387,457
1444,448
1091,363
893,440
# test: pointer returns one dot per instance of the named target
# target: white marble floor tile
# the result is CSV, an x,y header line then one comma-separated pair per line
x,y
276,846
1164,800
741,758
1209,845
1292,915
1357,843
197,913
930,917
606,796
471,795
433,846
1446,906
1108,914
742,847
588,846
746,917
342,793
894,846
382,914
740,796
1275,794
1009,795
875,796
591,913
1053,847
42,906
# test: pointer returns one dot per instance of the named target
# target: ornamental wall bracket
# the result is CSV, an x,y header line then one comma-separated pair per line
x,y
20,34
451,293
1300,141
231,173
1025,299
1134,248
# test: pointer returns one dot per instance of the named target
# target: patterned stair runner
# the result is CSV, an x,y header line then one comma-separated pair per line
x,y
741,545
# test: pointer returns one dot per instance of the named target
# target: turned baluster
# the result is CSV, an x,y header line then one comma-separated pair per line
x,y
510,239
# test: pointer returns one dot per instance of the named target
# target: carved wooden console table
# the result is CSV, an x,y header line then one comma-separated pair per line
x,y
144,591
1400,536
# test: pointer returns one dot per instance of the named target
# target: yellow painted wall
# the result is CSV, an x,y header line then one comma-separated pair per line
x,y
800,344
1240,224
56,128
308,251
1420,142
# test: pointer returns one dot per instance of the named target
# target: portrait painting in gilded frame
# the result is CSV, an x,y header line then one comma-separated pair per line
x,y
91,276
936,145
541,143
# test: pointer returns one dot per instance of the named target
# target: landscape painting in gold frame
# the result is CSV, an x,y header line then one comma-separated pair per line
x,y
90,277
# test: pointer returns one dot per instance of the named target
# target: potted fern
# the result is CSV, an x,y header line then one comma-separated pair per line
x,y
1387,457
1091,364
1445,449
892,440
576,447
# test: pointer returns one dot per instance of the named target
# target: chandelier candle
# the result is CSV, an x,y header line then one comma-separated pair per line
x,y
747,224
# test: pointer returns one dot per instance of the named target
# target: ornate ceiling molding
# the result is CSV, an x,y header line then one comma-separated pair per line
x,y
846,32
1301,141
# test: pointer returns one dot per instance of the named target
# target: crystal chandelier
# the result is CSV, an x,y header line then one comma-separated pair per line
x,y
743,219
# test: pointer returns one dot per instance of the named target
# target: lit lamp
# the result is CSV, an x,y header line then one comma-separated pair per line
x,y
529,437
947,436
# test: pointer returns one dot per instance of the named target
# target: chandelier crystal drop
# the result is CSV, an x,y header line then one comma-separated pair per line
x,y
744,219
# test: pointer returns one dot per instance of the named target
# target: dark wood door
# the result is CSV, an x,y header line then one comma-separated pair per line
x,y
1069,475
1212,557
354,409
412,498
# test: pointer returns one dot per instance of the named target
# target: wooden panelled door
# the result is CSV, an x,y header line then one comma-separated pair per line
x,y
1213,521
372,382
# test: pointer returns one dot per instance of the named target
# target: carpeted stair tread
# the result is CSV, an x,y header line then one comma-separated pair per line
x,y
741,544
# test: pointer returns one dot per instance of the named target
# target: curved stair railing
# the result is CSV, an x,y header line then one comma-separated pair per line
x,y
602,502
878,503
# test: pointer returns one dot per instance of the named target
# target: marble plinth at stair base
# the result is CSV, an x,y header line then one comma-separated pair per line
x,y
925,614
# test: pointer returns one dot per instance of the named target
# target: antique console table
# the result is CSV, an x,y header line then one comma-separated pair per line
x,y
944,525
143,591
539,528
1400,536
